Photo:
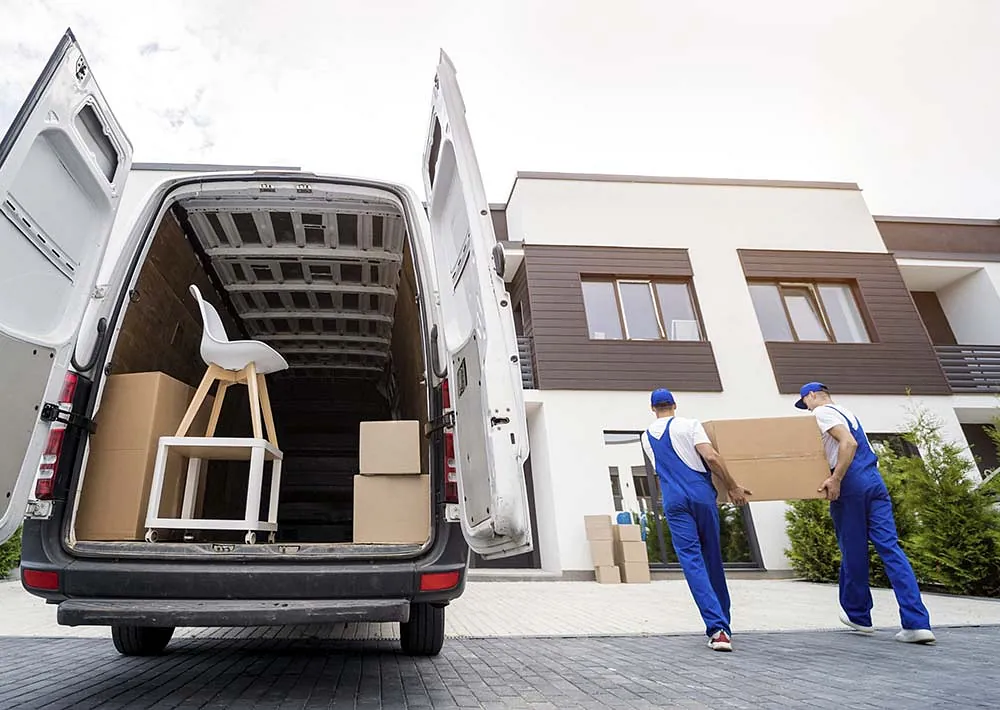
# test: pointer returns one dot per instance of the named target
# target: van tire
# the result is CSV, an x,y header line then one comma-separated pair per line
x,y
423,634
141,640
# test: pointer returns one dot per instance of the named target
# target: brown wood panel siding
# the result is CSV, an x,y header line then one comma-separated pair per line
x,y
518,289
901,357
940,237
566,357
935,320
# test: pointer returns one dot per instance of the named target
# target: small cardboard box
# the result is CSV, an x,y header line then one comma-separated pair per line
x,y
635,573
608,575
602,552
136,410
627,533
392,509
781,458
630,551
390,448
598,527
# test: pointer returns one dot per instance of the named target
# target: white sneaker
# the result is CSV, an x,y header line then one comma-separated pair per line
x,y
923,636
846,621
720,641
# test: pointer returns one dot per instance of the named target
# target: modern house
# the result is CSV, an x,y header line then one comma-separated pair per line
x,y
732,293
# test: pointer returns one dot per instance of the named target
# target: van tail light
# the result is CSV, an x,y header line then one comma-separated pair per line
x,y
439,581
450,471
39,579
45,479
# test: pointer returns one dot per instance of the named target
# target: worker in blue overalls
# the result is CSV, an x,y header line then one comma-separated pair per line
x,y
862,511
680,451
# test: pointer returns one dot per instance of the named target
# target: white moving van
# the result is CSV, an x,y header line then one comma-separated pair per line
x,y
383,310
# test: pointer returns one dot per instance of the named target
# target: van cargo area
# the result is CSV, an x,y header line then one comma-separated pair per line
x,y
326,280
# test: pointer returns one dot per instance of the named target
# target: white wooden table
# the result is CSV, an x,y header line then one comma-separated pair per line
x,y
198,450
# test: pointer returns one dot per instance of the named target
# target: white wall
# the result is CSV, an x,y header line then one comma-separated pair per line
x,y
569,460
972,305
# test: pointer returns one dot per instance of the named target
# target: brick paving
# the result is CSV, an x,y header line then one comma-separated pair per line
x,y
780,670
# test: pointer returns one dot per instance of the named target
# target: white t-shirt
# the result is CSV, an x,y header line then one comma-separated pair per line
x,y
827,418
685,435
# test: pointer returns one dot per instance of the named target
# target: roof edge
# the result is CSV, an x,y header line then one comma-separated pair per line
x,y
939,220
731,182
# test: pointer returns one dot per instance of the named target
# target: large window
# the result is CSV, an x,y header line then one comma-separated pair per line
x,y
808,312
636,309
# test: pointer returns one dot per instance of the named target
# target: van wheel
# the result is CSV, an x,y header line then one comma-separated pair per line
x,y
141,640
423,634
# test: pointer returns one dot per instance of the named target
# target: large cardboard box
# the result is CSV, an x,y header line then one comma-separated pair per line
x,y
630,551
627,533
390,448
392,509
781,458
598,527
602,553
608,575
137,409
635,573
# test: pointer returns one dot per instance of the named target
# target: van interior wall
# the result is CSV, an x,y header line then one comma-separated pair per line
x,y
317,415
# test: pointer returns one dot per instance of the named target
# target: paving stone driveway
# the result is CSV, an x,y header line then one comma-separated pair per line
x,y
801,669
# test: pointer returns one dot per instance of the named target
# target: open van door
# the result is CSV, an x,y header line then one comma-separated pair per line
x,y
484,375
63,165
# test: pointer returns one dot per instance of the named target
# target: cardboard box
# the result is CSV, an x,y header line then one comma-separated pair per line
x,y
627,533
630,551
598,527
137,409
602,553
635,573
781,458
392,509
390,448
608,575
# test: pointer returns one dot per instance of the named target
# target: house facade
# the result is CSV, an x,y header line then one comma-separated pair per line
x,y
732,294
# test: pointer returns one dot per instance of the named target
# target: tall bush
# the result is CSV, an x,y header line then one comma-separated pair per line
x,y
10,555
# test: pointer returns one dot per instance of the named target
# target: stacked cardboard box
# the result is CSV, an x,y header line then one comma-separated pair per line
x,y
136,410
630,554
781,458
602,553
392,498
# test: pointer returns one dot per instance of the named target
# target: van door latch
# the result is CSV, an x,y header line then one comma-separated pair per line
x,y
54,413
445,421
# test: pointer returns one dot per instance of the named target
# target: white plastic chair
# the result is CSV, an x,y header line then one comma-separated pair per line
x,y
233,362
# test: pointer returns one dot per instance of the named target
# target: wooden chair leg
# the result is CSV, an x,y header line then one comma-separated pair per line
x,y
197,401
265,403
254,401
213,420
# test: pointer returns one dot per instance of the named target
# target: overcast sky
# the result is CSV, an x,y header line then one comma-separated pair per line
x,y
901,96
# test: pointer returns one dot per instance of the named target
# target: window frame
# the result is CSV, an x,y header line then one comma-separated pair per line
x,y
651,283
813,289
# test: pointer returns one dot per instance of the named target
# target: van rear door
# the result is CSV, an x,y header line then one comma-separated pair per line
x,y
63,166
484,375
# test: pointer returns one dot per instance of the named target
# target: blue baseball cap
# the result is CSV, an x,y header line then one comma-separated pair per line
x,y
808,389
662,397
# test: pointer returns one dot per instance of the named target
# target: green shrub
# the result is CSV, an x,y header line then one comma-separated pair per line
x,y
813,553
10,554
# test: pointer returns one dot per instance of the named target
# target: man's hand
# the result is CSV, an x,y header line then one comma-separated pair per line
x,y
830,488
738,495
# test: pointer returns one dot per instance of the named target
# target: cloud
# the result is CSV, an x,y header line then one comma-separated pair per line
x,y
154,47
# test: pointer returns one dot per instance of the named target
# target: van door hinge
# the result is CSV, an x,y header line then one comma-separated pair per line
x,y
54,413
445,421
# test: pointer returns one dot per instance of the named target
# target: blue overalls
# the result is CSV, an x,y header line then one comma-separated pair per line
x,y
689,504
863,512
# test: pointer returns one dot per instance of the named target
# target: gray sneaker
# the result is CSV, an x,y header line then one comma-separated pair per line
x,y
922,636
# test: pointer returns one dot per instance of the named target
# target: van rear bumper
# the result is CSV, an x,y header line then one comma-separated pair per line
x,y
225,612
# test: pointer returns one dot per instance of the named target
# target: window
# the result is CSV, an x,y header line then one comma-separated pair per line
x,y
91,129
808,312
616,487
642,493
636,309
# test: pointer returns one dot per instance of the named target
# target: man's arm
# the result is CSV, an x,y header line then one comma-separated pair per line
x,y
737,493
846,447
